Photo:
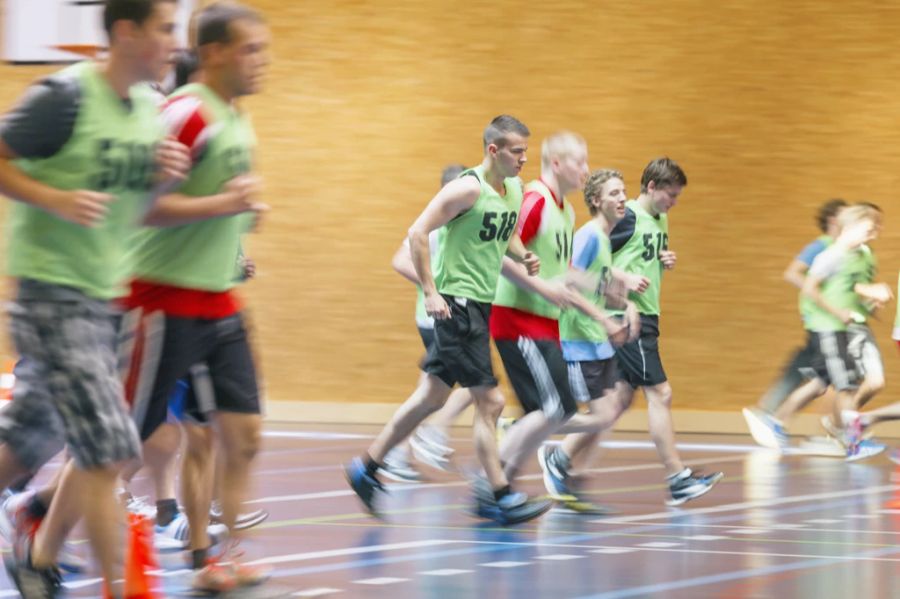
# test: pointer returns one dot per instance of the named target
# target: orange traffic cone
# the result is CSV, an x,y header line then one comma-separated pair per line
x,y
140,558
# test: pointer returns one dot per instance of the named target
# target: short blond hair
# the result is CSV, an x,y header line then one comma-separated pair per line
x,y
593,187
562,143
856,213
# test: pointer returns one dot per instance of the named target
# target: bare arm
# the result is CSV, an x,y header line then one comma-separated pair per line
x,y
456,197
403,264
82,207
795,273
237,196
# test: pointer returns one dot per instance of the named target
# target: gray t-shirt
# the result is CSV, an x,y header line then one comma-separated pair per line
x,y
44,119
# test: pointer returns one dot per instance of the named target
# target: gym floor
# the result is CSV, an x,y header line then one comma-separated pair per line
x,y
797,526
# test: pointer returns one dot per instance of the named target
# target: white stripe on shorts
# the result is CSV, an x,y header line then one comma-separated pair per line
x,y
551,404
578,384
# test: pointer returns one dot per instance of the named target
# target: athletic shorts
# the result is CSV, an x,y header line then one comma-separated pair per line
x,y
833,362
864,350
639,360
67,389
163,349
427,335
591,379
539,375
461,352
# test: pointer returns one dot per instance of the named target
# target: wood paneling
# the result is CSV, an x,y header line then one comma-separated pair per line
x,y
771,108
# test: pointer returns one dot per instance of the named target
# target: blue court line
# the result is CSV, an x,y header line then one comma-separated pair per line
x,y
736,575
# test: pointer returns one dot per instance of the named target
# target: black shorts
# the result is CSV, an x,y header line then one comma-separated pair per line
x,y
639,360
591,380
162,349
833,362
427,336
539,375
461,352
194,398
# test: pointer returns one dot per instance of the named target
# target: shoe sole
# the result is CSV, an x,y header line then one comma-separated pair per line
x,y
548,478
761,433
864,455
677,502
250,523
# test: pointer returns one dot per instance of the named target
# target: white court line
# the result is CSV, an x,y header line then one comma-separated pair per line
x,y
400,487
705,538
559,557
748,505
748,531
446,572
299,557
319,592
659,545
380,581
505,564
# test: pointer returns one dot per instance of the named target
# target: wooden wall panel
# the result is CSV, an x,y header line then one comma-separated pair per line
x,y
770,107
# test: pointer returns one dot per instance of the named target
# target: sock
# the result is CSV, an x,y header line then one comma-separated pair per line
x,y
36,508
198,558
502,492
166,510
371,465
679,475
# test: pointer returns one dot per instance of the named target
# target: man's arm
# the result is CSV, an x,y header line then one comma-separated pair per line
x,y
455,198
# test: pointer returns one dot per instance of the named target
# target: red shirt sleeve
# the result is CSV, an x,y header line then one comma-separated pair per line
x,y
185,120
530,216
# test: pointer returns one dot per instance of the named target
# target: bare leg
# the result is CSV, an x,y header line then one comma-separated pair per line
x,y
662,430
489,405
425,400
459,400
197,468
800,398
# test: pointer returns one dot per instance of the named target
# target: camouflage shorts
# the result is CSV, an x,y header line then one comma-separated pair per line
x,y
67,389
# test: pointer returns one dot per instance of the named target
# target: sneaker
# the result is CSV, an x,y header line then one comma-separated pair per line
x,y
246,575
33,583
397,466
554,474
214,579
765,429
429,451
176,535
363,484
243,521
513,508
14,512
865,448
68,560
139,505
581,507
687,485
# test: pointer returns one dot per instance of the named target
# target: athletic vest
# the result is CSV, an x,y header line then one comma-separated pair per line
x,y
111,150
553,245
640,255
574,325
476,241
202,255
